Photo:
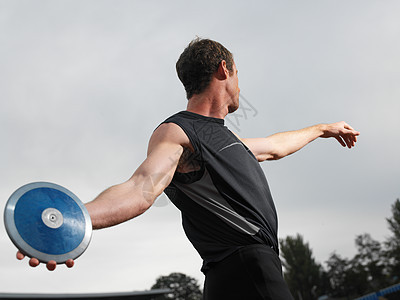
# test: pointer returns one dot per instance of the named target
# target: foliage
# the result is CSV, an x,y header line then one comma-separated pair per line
x,y
371,258
303,275
394,221
393,243
363,274
375,266
182,287
339,273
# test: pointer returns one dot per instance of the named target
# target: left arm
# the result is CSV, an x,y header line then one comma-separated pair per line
x,y
282,144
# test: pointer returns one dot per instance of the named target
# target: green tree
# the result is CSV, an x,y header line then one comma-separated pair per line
x,y
337,269
393,242
348,278
303,275
366,272
182,287
372,259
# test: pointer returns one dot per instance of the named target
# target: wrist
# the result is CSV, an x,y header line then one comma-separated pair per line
x,y
322,130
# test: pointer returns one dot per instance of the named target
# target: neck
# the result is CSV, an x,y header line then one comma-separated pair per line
x,y
210,103
207,107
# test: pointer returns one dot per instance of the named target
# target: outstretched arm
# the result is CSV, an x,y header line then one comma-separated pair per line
x,y
127,200
282,144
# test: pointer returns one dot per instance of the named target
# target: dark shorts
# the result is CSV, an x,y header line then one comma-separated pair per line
x,y
252,273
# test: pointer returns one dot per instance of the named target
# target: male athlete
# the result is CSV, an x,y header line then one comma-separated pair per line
x,y
215,179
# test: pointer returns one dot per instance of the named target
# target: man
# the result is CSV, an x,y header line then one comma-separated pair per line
x,y
214,178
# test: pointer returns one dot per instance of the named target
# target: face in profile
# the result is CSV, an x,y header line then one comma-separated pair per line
x,y
234,90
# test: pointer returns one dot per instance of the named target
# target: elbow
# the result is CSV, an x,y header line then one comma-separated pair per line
x,y
270,156
147,200
144,206
275,157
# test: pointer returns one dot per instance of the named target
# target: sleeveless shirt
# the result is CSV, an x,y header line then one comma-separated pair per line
x,y
225,202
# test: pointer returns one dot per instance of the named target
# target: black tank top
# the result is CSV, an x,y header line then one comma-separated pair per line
x,y
226,203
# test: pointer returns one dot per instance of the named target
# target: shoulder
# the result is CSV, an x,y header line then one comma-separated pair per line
x,y
169,133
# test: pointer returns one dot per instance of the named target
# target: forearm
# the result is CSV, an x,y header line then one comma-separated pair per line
x,y
117,204
285,143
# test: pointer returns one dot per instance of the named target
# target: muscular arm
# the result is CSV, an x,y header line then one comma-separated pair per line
x,y
282,144
127,200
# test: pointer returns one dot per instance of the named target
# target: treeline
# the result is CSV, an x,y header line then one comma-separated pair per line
x,y
375,266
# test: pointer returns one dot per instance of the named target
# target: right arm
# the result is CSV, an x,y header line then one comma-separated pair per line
x,y
127,200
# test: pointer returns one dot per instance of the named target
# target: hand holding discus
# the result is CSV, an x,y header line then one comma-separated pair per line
x,y
47,223
51,265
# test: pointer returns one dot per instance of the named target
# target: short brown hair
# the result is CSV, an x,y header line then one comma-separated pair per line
x,y
198,62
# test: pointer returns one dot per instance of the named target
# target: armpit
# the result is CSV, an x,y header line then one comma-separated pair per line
x,y
188,162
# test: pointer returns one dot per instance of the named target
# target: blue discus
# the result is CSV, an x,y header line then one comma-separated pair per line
x,y
47,221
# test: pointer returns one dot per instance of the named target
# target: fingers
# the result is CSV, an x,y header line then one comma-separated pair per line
x,y
347,126
353,132
70,263
51,265
339,139
350,130
347,136
353,139
350,140
20,256
343,132
34,262
346,140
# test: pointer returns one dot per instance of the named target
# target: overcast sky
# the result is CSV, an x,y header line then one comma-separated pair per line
x,y
84,83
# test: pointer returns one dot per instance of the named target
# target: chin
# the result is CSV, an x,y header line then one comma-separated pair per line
x,y
232,108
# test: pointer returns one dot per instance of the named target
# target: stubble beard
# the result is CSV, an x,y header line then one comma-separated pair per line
x,y
234,106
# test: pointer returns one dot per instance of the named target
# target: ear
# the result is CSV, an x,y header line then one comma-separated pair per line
x,y
222,72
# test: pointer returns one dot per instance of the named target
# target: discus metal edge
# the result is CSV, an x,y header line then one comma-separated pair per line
x,y
19,242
